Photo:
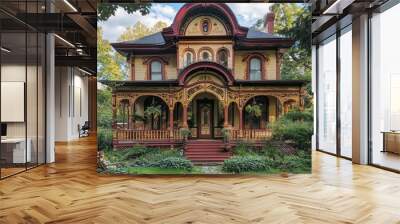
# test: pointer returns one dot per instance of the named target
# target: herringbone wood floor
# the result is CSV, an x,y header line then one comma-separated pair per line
x,y
70,191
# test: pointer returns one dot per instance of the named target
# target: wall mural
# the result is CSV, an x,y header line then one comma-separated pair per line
x,y
207,114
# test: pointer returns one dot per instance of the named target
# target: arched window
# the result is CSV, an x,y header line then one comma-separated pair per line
x,y
188,58
223,57
156,70
255,69
206,56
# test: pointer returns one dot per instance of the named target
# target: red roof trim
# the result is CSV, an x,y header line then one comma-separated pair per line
x,y
179,19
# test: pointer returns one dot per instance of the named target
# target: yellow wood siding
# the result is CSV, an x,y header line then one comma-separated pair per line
x,y
141,69
170,69
241,66
235,63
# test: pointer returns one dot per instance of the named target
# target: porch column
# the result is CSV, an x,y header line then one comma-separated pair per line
x,y
240,119
185,116
171,122
129,116
226,116
114,111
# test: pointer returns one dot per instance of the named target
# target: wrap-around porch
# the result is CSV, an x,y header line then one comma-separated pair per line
x,y
149,118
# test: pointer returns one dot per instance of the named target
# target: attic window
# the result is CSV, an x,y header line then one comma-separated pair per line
x,y
205,25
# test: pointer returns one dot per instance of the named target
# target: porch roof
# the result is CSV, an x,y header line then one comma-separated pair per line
x,y
141,83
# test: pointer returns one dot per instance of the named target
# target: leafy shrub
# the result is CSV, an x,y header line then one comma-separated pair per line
x,y
104,139
243,148
140,162
159,154
153,156
113,156
272,152
295,163
174,162
297,132
297,115
239,164
104,108
185,132
134,152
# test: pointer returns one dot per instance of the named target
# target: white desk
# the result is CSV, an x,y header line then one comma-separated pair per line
x,y
18,144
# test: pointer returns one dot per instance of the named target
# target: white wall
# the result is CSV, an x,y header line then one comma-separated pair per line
x,y
71,102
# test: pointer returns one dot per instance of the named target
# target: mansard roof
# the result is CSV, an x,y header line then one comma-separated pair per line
x,y
154,39
165,41
255,34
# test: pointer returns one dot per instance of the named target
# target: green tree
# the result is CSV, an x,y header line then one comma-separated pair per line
x,y
134,32
107,67
106,10
140,30
294,21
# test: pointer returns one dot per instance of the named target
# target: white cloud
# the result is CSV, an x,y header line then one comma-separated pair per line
x,y
248,13
116,25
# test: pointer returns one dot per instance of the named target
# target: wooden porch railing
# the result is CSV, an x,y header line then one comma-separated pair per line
x,y
250,134
129,134
141,135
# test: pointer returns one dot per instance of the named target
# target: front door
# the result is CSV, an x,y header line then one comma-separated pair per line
x,y
205,118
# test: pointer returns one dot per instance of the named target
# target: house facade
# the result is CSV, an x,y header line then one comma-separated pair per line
x,y
205,74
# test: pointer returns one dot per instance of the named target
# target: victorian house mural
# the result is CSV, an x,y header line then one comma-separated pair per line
x,y
205,77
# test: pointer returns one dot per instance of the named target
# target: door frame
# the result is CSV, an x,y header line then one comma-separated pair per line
x,y
204,101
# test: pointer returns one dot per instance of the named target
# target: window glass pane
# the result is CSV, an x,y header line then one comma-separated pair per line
x,y
156,76
346,93
156,66
223,58
13,148
156,71
255,75
327,95
188,58
385,84
255,69
206,56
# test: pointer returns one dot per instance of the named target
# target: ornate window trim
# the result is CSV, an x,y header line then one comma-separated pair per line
x,y
209,26
189,50
263,60
148,61
227,55
201,50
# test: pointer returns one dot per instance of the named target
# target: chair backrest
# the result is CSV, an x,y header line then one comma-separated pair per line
x,y
86,125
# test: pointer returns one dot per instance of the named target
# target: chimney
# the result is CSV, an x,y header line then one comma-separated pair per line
x,y
269,22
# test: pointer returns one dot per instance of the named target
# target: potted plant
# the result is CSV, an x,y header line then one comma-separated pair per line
x,y
226,134
152,113
254,110
185,132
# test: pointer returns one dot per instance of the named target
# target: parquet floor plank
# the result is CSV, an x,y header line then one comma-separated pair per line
x,y
70,191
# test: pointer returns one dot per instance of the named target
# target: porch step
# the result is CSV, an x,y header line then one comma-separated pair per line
x,y
206,152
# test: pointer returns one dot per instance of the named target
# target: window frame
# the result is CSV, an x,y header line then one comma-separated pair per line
x,y
159,72
202,50
148,62
226,51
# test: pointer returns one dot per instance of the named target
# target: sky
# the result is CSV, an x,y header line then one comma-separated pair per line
x,y
246,13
